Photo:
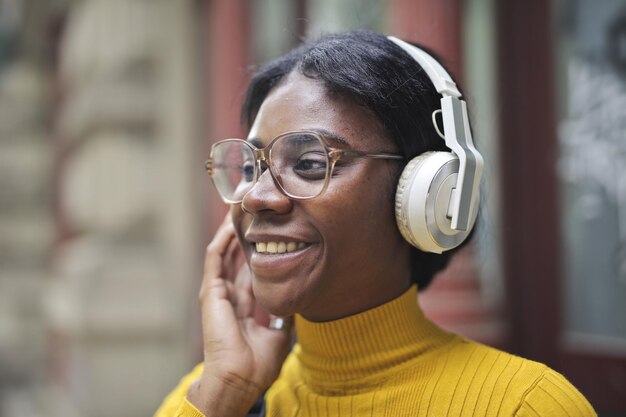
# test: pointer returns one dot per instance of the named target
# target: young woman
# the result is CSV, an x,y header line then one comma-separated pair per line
x,y
332,124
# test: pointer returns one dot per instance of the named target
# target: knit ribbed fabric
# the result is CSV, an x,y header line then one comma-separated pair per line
x,y
392,361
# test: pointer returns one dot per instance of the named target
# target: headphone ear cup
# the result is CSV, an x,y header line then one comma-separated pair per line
x,y
423,199
402,196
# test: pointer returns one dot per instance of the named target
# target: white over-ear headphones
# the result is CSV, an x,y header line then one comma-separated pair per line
x,y
437,196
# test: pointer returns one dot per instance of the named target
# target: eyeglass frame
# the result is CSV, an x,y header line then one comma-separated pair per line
x,y
265,154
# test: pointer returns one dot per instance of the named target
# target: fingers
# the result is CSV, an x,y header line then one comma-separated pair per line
x,y
226,277
214,269
232,260
245,298
272,345
218,248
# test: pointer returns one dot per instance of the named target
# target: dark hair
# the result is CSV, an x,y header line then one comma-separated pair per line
x,y
379,75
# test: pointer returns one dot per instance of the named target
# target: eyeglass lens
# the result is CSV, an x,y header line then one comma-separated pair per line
x,y
298,161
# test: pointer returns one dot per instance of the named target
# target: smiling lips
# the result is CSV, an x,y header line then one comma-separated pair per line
x,y
278,247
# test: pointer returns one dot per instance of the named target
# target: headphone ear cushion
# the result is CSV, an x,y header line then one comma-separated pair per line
x,y
423,199
402,196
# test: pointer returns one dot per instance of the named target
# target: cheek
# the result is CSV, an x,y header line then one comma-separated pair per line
x,y
355,211
373,196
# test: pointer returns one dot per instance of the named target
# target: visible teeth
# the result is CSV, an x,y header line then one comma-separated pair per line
x,y
271,247
278,247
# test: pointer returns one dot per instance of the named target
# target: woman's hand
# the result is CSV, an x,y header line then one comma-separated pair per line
x,y
241,357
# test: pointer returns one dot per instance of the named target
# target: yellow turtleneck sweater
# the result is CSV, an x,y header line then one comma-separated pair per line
x,y
392,361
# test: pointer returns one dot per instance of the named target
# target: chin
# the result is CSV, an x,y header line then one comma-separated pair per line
x,y
275,300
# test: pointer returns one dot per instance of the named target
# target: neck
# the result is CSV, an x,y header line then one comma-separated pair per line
x,y
366,344
345,304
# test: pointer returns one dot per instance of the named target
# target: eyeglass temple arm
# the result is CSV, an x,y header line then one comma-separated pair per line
x,y
336,154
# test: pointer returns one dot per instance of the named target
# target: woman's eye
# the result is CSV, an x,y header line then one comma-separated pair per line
x,y
311,166
247,171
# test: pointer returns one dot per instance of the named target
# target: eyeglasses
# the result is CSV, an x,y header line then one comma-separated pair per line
x,y
300,163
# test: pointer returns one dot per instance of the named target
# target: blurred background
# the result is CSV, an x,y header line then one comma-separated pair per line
x,y
107,111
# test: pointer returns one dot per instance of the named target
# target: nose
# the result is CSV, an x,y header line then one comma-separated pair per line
x,y
265,196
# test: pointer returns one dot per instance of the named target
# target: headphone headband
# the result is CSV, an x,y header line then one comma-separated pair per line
x,y
438,75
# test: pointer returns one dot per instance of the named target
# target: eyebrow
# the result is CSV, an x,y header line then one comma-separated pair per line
x,y
333,137
327,134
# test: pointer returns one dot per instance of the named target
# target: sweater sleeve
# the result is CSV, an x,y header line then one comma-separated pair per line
x,y
553,395
176,403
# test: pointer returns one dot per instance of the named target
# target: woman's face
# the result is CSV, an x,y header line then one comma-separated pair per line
x,y
349,255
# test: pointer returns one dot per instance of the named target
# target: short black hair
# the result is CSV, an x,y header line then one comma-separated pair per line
x,y
378,74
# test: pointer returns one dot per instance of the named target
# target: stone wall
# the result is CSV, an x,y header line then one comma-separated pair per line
x,y
128,192
26,228
101,199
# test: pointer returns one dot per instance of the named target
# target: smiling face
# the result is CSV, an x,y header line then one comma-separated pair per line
x,y
341,252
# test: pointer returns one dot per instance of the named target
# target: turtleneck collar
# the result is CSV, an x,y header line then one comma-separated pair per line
x,y
367,344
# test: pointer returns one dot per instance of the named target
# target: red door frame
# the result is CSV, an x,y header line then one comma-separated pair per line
x,y
228,60
227,63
